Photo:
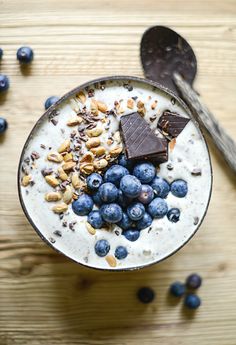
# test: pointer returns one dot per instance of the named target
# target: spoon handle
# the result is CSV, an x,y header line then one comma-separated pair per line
x,y
222,140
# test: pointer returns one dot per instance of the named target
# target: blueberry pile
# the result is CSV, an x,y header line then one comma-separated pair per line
x,y
130,196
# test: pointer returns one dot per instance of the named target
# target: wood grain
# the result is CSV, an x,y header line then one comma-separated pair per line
x,y
45,298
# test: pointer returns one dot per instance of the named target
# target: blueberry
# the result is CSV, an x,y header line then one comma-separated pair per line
x,y
108,192
158,208
25,54
179,188
115,173
3,125
146,195
136,211
123,200
122,160
121,253
83,205
4,82
161,187
102,247
145,172
111,213
1,53
95,219
192,301
94,181
173,215
131,234
194,281
177,289
125,222
97,198
130,186
146,295
50,101
145,222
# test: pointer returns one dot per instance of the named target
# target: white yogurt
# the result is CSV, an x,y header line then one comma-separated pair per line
x,y
155,243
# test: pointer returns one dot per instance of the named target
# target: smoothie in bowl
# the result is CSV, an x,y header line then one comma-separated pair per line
x,y
116,175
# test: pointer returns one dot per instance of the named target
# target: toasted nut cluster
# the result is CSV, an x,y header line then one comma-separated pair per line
x,y
114,152
55,157
26,180
94,132
67,196
75,180
52,181
153,105
87,168
88,157
53,196
68,166
111,260
60,208
130,103
90,229
100,164
64,146
98,151
75,121
68,157
62,175
93,142
81,97
101,106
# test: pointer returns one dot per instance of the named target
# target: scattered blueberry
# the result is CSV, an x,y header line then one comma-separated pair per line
x,y
130,186
3,125
115,173
146,295
192,301
122,160
108,192
94,181
145,222
97,198
125,223
121,253
177,289
173,215
179,188
131,234
1,53
50,101
123,200
111,213
102,247
136,211
25,54
83,205
158,208
145,172
146,195
194,281
161,187
4,82
95,219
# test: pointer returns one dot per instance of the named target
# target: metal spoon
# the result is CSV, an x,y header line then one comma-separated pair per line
x,y
168,59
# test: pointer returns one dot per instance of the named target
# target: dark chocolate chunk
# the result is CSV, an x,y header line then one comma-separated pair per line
x,y
140,141
171,124
196,172
57,233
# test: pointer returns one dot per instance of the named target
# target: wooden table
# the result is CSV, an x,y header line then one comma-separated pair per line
x,y
45,298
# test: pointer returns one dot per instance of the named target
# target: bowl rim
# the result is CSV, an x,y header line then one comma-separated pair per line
x,y
67,96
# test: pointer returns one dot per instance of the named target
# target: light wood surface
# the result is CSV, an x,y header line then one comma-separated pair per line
x,y
45,298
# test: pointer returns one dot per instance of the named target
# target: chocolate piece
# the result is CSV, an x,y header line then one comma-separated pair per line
x,y
140,141
171,124
164,52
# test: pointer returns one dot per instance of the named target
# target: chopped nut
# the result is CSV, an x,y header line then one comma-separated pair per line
x,y
115,151
108,157
130,103
93,142
60,208
140,104
68,157
81,96
100,164
55,157
110,141
94,132
111,260
88,157
63,176
101,107
87,168
98,151
94,107
26,180
64,146
67,196
68,166
117,137
75,180
74,121
90,229
172,144
53,181
154,104
53,196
